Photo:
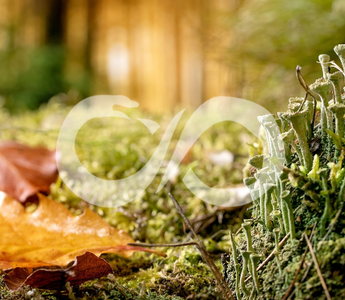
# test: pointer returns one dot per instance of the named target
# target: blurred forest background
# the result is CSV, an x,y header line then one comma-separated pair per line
x,y
163,53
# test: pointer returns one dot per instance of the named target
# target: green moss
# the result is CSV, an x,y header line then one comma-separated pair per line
x,y
151,218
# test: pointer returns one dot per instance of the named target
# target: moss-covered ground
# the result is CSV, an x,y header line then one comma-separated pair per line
x,y
112,148
305,201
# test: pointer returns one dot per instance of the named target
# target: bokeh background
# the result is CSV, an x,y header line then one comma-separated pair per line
x,y
163,53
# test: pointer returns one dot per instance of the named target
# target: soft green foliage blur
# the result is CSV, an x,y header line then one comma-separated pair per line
x,y
263,41
276,36
31,77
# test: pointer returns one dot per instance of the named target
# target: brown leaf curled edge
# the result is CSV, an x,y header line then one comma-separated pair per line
x,y
24,171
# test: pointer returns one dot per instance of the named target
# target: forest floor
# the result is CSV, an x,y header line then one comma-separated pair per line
x,y
115,149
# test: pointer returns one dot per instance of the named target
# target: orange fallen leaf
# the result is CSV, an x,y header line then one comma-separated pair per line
x,y
52,235
24,171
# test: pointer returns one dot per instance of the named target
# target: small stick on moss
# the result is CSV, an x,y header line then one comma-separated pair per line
x,y
304,277
238,231
163,245
322,280
200,246
292,284
272,254
292,294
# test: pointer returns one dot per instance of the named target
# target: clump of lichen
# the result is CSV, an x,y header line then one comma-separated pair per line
x,y
297,186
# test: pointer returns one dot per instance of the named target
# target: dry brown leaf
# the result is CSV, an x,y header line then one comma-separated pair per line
x,y
24,171
52,235
86,267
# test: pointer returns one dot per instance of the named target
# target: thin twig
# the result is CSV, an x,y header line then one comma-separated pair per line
x,y
282,242
180,211
323,283
163,245
238,231
291,295
306,272
201,247
202,225
269,257
217,233
202,218
292,284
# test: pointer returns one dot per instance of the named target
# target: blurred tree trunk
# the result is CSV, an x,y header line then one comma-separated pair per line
x,y
160,53
77,40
